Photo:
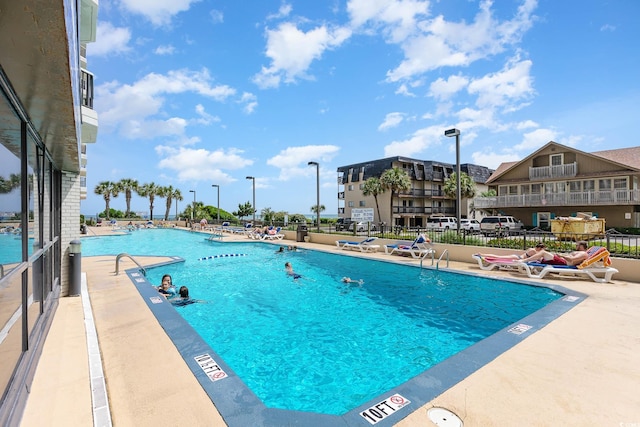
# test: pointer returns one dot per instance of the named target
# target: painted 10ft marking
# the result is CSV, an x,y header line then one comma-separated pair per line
x,y
382,410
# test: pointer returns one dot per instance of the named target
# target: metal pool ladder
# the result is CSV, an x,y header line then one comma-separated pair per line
x,y
124,254
445,252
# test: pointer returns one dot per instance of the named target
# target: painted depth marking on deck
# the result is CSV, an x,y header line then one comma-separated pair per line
x,y
519,329
571,298
210,367
385,408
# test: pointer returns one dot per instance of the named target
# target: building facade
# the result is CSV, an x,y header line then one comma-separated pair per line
x,y
557,180
44,89
409,208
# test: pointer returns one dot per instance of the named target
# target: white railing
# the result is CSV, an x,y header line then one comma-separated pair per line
x,y
597,198
555,171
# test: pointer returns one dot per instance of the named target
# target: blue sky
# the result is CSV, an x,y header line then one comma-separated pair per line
x,y
193,93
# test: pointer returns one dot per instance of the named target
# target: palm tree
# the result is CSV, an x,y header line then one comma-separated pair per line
x,y
151,191
373,187
395,180
8,185
107,189
467,186
127,185
314,208
169,193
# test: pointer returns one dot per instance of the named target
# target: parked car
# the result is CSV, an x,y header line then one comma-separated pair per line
x,y
442,223
362,226
470,225
343,224
500,225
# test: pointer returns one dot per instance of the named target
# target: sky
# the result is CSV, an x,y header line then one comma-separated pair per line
x,y
191,93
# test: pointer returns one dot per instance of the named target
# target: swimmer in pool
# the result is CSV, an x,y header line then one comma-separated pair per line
x,y
290,272
350,280
166,288
184,298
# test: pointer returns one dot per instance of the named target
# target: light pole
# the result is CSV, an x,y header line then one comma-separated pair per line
x,y
253,179
317,165
193,211
455,132
218,187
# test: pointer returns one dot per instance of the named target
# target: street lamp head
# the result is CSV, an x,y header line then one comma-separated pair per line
x,y
451,132
192,191
251,177
215,185
313,163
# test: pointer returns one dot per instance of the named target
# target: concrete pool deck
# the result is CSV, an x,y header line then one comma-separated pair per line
x,y
582,369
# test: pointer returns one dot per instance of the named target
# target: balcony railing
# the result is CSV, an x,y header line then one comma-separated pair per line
x,y
557,171
341,195
596,198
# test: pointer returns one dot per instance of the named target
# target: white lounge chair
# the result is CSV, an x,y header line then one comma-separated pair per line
x,y
363,246
273,234
535,270
494,263
420,247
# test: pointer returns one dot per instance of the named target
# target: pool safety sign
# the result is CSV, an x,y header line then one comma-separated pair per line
x,y
382,410
210,367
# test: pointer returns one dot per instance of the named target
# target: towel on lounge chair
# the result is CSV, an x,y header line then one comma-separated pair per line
x,y
489,263
596,254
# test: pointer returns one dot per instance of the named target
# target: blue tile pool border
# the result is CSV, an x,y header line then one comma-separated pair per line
x,y
240,407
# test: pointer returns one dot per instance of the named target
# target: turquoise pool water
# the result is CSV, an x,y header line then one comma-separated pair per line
x,y
316,344
11,248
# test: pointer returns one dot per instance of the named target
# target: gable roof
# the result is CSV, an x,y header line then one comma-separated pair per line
x,y
628,157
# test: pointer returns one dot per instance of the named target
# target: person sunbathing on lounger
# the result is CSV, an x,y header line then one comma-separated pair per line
x,y
528,253
577,256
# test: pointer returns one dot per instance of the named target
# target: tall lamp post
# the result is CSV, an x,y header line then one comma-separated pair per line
x,y
455,132
218,187
193,211
317,165
253,179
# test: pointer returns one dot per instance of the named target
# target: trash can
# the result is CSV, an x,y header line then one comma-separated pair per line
x,y
301,232
75,267
83,229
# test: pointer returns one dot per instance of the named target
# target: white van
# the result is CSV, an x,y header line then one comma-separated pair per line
x,y
500,225
442,223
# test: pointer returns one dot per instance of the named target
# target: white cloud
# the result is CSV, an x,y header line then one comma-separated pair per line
x,y
397,17
205,118
292,161
391,120
217,17
441,43
417,143
250,102
201,164
512,83
403,89
292,51
284,11
109,40
493,160
165,50
159,12
135,110
533,140
444,89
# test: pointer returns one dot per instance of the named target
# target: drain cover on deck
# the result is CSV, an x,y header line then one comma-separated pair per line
x,y
444,418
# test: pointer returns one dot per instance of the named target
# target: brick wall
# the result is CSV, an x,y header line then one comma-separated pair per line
x,y
70,227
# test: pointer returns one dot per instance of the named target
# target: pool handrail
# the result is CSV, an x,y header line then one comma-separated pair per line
x,y
123,254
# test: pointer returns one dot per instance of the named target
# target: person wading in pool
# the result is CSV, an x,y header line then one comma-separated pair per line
x,y
184,298
166,288
290,272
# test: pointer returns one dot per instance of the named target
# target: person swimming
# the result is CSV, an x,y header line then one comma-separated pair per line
x,y
166,288
350,280
184,298
290,272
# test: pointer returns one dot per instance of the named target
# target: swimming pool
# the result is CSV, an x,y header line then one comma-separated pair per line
x,y
317,344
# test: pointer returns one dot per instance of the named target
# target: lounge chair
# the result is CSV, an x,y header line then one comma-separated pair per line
x,y
273,234
601,273
363,246
420,247
493,263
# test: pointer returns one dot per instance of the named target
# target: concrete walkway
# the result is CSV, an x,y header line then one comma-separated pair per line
x,y
583,369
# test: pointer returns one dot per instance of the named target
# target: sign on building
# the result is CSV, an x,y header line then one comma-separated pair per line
x,y
365,215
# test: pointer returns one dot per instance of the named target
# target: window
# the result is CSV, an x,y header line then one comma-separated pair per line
x,y
589,185
575,186
362,204
604,184
524,189
620,183
555,159
536,188
361,186
350,204
350,187
513,190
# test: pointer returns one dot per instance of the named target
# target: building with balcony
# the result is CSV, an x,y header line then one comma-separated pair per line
x,y
42,126
557,180
409,208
